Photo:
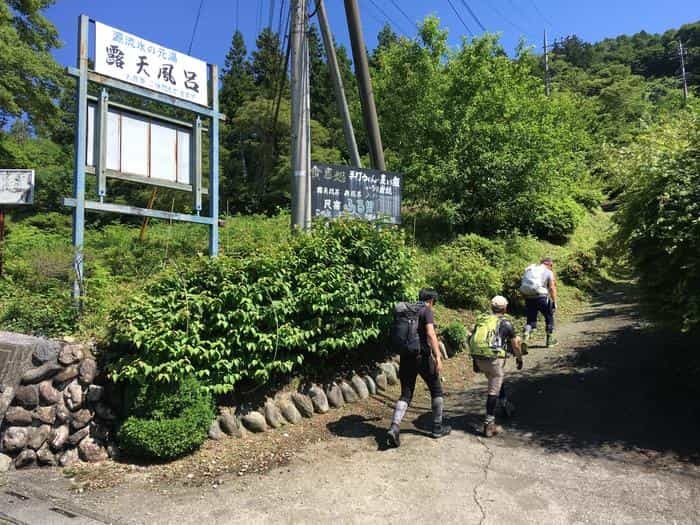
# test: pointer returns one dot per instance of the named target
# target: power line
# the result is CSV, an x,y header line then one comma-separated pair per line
x,y
194,29
534,4
389,19
460,17
398,7
507,20
476,18
237,13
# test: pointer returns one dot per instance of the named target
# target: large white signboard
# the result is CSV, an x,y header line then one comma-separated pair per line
x,y
142,146
132,59
16,186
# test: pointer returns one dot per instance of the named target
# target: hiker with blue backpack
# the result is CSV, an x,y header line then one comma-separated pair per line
x,y
492,340
539,287
413,337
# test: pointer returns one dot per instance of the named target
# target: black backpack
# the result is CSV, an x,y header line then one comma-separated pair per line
x,y
404,330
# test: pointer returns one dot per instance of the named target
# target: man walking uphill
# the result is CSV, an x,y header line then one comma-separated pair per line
x,y
491,341
422,358
539,286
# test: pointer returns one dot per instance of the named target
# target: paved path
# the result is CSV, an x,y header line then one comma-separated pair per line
x,y
598,438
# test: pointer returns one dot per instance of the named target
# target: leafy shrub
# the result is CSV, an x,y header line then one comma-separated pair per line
x,y
471,243
454,336
228,320
580,269
168,421
464,279
659,220
549,217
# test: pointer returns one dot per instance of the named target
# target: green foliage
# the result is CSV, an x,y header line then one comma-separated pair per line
x,y
30,76
167,421
454,336
659,220
473,131
230,320
463,279
581,269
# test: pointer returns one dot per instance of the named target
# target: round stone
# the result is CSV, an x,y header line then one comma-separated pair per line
x,y
391,373
215,432
27,396
319,399
81,418
349,394
91,451
39,373
48,395
359,386
67,374
37,436
230,424
88,371
5,463
335,396
254,421
45,351
273,416
45,414
18,416
71,354
380,380
77,436
371,385
303,404
26,458
69,457
58,437
45,457
15,439
290,412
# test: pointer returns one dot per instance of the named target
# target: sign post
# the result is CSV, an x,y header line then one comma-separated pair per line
x,y
16,188
338,191
115,141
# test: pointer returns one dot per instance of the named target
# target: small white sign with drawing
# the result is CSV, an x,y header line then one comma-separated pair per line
x,y
16,186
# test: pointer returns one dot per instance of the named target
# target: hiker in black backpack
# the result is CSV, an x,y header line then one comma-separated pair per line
x,y
423,358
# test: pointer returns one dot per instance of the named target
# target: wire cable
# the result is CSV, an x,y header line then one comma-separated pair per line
x,y
388,18
460,17
473,15
507,20
541,13
194,29
398,7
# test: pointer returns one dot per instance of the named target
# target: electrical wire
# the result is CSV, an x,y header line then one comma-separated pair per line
x,y
272,14
398,7
388,18
547,21
194,29
460,17
237,13
473,15
500,14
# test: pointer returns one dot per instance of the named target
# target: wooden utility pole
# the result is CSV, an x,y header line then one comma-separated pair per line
x,y
338,84
369,111
300,115
547,88
684,77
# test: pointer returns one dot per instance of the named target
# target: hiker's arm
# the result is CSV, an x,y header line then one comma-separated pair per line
x,y
434,346
515,345
553,288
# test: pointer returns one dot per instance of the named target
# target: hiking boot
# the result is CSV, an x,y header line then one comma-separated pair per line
x,y
440,430
393,438
551,341
491,429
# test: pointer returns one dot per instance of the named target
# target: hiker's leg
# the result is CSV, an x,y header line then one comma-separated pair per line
x,y
531,309
408,371
493,369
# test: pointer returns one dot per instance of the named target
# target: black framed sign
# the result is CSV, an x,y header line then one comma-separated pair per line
x,y
368,194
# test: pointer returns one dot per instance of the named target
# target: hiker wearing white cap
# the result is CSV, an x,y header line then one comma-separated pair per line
x,y
492,339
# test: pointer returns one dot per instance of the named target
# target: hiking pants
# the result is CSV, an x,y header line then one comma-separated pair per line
x,y
493,369
537,305
410,367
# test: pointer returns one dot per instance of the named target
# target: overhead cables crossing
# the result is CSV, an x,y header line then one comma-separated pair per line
x,y
194,29
389,19
473,15
460,17
400,10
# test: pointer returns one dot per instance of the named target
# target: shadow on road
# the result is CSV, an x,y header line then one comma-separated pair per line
x,y
619,391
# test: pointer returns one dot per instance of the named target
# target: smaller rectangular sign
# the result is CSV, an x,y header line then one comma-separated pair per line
x,y
368,194
16,186
127,57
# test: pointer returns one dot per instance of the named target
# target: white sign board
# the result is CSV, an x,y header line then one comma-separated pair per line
x,y
142,146
132,59
16,186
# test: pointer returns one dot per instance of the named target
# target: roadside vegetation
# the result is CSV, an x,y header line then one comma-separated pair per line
x,y
497,175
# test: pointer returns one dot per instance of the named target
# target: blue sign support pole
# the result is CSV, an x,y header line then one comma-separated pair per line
x,y
80,154
214,163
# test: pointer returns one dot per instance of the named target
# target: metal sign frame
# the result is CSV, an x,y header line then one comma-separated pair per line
x,y
78,201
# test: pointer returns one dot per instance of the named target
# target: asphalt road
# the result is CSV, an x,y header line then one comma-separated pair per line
x,y
599,437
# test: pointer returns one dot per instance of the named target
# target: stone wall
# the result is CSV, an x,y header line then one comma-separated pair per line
x,y
52,412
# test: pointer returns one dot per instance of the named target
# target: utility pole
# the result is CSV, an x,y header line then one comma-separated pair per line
x,y
369,111
684,78
300,122
338,84
547,88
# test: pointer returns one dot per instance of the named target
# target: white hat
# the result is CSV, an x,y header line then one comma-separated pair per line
x,y
499,302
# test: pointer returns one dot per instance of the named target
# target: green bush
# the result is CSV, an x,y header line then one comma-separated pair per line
x,y
455,337
228,320
580,269
169,420
464,279
473,244
549,217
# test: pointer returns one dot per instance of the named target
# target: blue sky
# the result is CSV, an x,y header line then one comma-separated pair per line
x,y
170,23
